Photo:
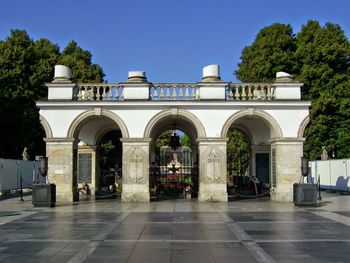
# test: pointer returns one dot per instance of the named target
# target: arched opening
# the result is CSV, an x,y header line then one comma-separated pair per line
x,y
174,170
109,165
97,154
249,153
238,161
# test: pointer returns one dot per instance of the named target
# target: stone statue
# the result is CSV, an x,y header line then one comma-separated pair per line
x,y
25,154
324,155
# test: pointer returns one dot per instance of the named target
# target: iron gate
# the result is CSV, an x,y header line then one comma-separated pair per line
x,y
174,172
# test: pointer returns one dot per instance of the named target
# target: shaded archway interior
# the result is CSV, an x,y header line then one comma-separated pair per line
x,y
259,133
91,129
103,174
255,128
171,123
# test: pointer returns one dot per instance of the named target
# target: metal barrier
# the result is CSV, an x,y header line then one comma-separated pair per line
x,y
13,173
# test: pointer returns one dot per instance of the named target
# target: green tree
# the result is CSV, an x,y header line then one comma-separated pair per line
x,y
163,140
319,57
238,149
273,50
323,56
186,141
79,60
25,65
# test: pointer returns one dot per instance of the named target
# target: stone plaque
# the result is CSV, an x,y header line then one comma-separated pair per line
x,y
273,167
84,167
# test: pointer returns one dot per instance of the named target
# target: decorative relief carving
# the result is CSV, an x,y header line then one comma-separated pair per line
x,y
213,163
135,163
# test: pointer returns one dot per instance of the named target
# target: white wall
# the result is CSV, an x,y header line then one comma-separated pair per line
x,y
136,116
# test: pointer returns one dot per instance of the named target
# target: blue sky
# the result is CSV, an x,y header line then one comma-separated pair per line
x,y
170,40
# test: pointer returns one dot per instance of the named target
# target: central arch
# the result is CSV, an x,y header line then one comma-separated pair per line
x,y
170,115
174,166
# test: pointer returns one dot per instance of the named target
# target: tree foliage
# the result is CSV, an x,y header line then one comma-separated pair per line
x,y
25,65
79,61
186,141
273,50
238,149
319,57
163,140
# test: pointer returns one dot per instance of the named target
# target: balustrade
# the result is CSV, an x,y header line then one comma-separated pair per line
x,y
250,91
174,92
99,92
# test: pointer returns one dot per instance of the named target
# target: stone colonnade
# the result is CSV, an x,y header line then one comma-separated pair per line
x,y
75,114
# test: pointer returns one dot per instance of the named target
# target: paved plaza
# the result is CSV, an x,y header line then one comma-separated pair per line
x,y
176,231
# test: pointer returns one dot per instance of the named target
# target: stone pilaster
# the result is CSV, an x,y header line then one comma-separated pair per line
x,y
136,170
61,167
89,149
212,170
285,168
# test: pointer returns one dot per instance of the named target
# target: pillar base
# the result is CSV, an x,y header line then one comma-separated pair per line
x,y
135,193
212,193
282,193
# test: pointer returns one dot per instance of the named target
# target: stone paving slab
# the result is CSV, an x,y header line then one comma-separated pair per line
x,y
176,231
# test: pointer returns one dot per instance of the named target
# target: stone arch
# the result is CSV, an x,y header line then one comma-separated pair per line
x,y
176,113
276,131
102,132
245,131
46,126
303,126
82,118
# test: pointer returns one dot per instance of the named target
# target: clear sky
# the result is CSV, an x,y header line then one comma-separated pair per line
x,y
170,40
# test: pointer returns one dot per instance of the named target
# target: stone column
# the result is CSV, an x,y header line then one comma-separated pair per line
x,y
285,168
61,167
135,170
212,169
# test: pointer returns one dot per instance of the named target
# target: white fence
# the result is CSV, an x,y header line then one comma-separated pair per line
x,y
333,174
12,171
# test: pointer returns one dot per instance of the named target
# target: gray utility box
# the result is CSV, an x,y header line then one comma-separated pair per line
x,y
44,195
304,194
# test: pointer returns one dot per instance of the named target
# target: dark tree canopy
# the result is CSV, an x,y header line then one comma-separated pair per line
x,y
319,57
25,65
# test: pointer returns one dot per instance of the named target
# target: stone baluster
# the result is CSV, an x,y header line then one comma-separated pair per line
x,y
167,93
237,96
103,95
250,90
161,93
181,94
244,94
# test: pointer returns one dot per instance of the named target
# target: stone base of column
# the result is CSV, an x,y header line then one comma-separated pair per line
x,y
135,193
283,192
212,193
65,194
